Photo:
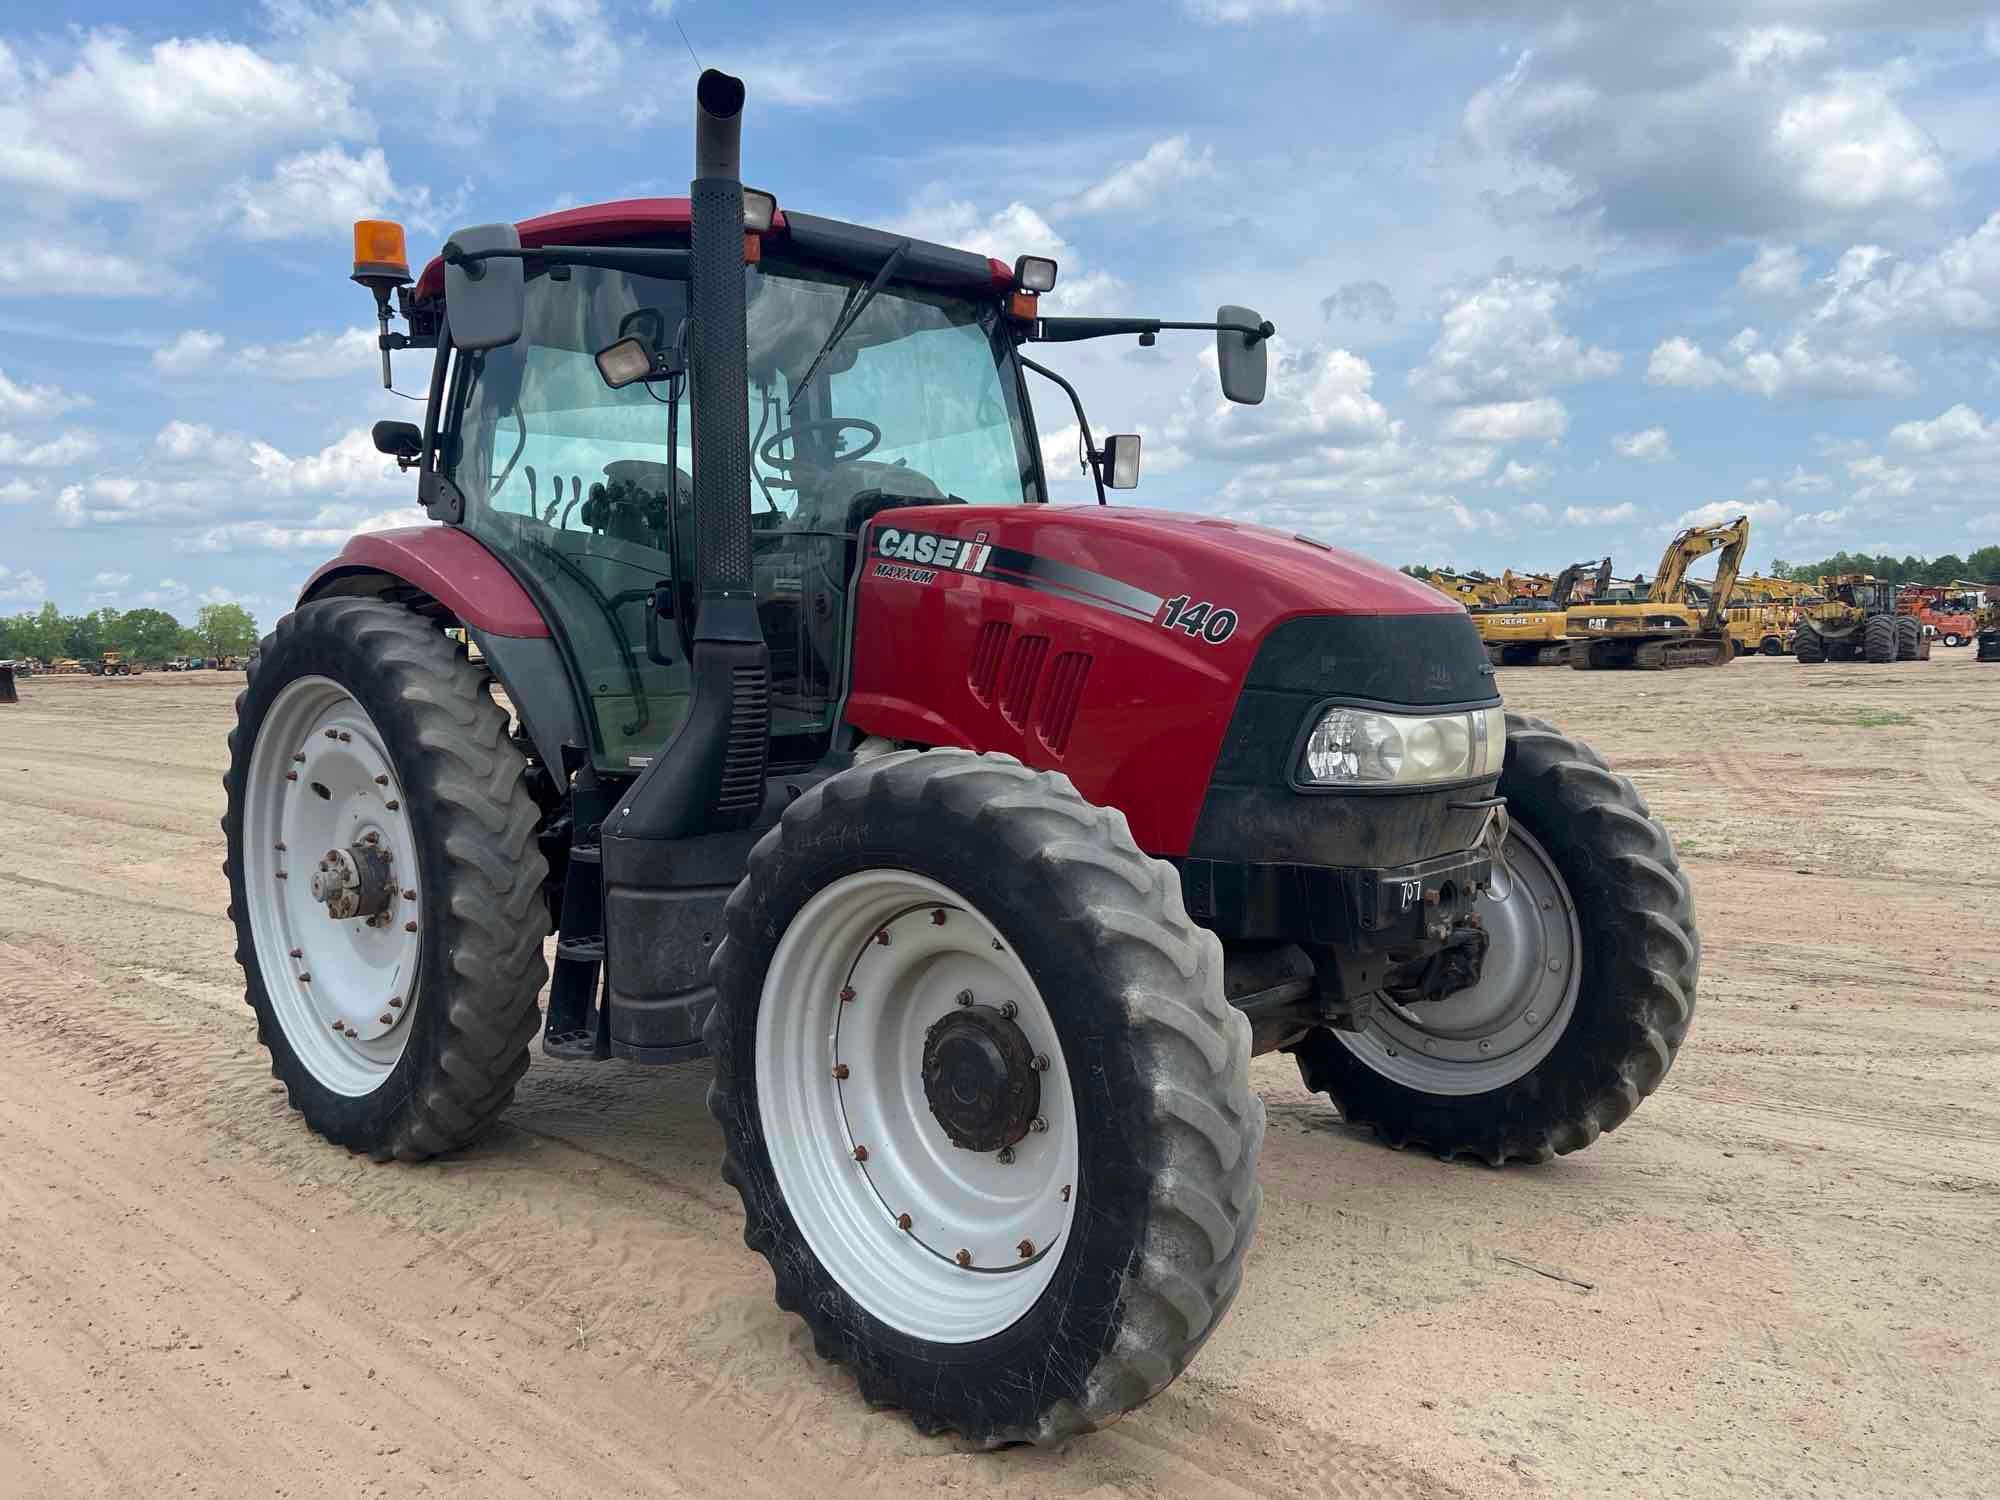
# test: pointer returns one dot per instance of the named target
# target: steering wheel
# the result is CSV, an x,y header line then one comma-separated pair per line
x,y
769,450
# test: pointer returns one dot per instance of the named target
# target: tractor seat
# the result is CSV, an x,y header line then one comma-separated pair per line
x,y
846,497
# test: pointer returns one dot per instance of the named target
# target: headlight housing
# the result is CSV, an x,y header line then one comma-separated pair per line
x,y
1363,747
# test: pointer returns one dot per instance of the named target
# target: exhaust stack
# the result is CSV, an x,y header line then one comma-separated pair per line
x,y
710,777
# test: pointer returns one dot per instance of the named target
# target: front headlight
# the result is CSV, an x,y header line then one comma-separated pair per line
x,y
1363,747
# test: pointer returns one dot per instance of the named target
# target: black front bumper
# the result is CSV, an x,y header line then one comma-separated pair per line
x,y
1342,906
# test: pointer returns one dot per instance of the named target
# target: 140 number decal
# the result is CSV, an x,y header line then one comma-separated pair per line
x,y
1200,619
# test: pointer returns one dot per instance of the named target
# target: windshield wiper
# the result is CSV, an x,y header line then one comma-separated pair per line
x,y
849,316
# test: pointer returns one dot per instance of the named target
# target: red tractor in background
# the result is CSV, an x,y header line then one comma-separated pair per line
x,y
980,841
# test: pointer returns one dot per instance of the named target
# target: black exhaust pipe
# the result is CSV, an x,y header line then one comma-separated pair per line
x,y
710,777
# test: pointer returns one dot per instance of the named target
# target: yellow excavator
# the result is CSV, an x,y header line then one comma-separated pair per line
x,y
1471,589
1665,630
1529,631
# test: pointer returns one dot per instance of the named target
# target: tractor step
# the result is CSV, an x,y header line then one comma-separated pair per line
x,y
570,1046
588,950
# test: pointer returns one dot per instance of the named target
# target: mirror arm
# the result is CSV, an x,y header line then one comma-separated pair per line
x,y
1071,330
1082,422
672,264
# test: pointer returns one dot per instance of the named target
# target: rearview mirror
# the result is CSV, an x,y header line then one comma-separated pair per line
x,y
1239,357
1120,461
484,300
400,440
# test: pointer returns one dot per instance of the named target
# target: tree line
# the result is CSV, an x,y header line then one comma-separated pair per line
x,y
147,635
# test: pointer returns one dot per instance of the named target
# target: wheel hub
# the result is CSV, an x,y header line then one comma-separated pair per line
x,y
980,1078
357,881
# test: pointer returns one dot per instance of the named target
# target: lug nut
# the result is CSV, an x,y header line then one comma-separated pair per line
x,y
280,847
282,875
409,895
409,927
964,1257
333,734
903,1222
882,936
291,775
387,1018
299,756
381,781
840,1070
965,997
1009,1010
298,953
1531,1018
1027,1249
1041,1063
345,736
339,1025
393,805
371,838
1038,1125
937,916
1005,1156
1485,1046
395,1002
305,979
846,993
996,946
861,1153
1065,1192
349,1033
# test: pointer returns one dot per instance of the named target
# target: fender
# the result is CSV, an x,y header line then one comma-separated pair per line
x,y
450,565
473,588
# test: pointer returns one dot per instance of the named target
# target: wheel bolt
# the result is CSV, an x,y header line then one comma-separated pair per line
x,y
371,838
937,916
903,1222
1485,1046
279,847
291,775
282,875
840,1070
299,757
331,855
339,1025
1041,1063
409,895
861,1153
1555,964
349,1033
964,1257
996,946
409,927
1038,1125
298,953
1005,1156
387,1018
1532,1018
345,737
965,997
882,936
395,1002
393,805
333,734
1027,1249
1009,1010
381,781
1065,1192
846,994
305,979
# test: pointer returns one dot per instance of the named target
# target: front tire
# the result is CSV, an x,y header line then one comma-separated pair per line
x,y
1909,638
885,902
1520,1067
1879,639
361,726
1808,645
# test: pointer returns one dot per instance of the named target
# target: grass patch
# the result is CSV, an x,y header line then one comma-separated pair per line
x,y
1847,718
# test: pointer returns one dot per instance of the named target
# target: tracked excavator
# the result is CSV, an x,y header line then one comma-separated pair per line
x,y
1531,632
1665,629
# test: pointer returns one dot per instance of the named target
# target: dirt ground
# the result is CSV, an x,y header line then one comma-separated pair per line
x,y
1779,1279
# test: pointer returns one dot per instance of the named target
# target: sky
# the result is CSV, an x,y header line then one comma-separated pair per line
x,y
1550,280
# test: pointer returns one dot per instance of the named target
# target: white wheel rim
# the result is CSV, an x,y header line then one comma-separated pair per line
x,y
342,990
1486,1036
1012,1218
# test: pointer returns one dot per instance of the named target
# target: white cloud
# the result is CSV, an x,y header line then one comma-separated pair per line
x,y
1956,290
1501,340
1246,12
314,192
1648,446
1520,476
271,536
111,580
62,265
1005,234
1542,419
1778,271
18,492
1363,301
1955,454
1818,520
316,356
1694,135
1151,182
52,453
1317,397
36,400
1535,514
1801,481
1957,429
21,587
1721,512
1600,515
1795,368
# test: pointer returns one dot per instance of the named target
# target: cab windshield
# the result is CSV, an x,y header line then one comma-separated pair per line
x,y
917,403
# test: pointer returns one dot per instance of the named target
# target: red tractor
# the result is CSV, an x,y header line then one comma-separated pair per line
x,y
1943,615
980,841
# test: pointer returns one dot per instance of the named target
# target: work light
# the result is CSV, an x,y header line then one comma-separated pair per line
x,y
1035,273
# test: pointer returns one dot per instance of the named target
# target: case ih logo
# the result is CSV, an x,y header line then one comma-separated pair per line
x,y
927,549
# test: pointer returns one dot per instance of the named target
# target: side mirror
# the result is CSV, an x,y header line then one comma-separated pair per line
x,y
1240,358
402,441
1120,461
485,300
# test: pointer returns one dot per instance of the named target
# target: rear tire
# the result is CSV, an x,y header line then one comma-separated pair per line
x,y
1637,953
430,1073
1166,1128
1808,645
1909,637
1879,638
